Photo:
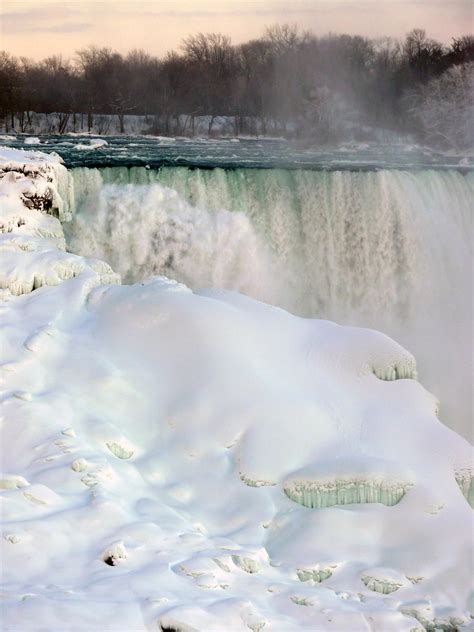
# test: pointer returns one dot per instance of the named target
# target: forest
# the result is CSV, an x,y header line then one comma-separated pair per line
x,y
322,89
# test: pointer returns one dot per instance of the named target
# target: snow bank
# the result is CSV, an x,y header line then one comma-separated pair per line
x,y
152,433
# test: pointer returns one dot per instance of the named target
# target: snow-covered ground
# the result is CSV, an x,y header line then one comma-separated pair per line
x,y
202,461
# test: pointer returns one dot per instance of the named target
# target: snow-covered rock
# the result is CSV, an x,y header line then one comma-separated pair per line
x,y
94,143
32,140
165,451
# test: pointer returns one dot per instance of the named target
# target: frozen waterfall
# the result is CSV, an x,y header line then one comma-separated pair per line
x,y
389,249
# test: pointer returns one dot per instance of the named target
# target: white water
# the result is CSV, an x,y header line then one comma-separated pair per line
x,y
390,249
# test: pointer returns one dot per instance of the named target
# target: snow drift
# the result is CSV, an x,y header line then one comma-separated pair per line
x,y
166,449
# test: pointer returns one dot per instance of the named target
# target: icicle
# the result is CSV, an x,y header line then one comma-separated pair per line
x,y
317,495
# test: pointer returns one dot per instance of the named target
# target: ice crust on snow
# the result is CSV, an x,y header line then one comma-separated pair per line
x,y
152,433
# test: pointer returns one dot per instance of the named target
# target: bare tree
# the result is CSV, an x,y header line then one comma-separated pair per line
x,y
288,81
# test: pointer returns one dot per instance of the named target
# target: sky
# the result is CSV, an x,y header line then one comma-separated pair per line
x,y
39,28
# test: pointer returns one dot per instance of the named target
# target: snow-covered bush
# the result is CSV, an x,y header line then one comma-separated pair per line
x,y
444,108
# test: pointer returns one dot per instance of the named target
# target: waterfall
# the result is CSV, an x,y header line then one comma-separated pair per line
x,y
387,249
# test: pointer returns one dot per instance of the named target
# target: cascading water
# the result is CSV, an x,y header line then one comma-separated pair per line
x,y
384,249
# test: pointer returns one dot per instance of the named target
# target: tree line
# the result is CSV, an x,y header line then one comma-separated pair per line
x,y
299,84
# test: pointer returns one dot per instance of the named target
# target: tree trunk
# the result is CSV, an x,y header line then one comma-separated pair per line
x,y
63,120
209,129
22,121
186,120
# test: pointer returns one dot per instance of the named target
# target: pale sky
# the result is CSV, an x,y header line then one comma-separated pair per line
x,y
38,28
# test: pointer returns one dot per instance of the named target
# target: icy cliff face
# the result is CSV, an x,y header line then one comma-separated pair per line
x,y
203,461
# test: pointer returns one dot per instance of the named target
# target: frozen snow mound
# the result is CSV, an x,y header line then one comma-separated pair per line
x,y
159,438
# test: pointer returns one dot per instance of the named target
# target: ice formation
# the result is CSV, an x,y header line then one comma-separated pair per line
x,y
384,581
345,481
151,433
316,574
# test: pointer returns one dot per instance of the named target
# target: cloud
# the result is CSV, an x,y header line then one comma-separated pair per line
x,y
12,25
48,19
67,27
128,23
